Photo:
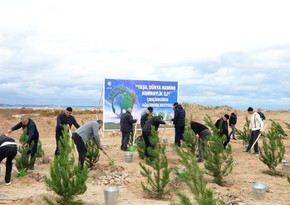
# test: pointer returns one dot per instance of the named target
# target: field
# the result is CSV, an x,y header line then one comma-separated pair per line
x,y
237,189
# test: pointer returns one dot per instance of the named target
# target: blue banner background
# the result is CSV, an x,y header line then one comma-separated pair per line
x,y
119,95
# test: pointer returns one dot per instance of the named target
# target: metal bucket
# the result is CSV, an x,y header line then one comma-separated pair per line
x,y
128,157
111,195
285,166
259,190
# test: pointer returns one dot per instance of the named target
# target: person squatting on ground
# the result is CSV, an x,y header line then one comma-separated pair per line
x,y
83,134
8,150
262,115
232,122
223,128
154,121
146,116
178,122
65,118
126,123
32,134
202,132
256,124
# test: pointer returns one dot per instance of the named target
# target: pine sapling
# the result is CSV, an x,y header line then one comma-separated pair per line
x,y
193,178
23,160
40,151
66,179
189,138
218,161
155,169
276,126
273,150
243,134
93,153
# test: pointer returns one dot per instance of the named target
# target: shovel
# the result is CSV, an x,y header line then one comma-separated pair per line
x,y
258,137
132,147
112,160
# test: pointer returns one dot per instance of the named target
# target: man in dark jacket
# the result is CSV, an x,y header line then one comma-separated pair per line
x,y
147,115
179,122
65,118
126,123
33,136
232,122
223,128
146,131
8,150
202,132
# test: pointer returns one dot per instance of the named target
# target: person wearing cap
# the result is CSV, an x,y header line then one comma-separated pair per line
x,y
8,150
146,116
223,128
256,124
178,122
126,123
65,118
83,134
154,121
32,136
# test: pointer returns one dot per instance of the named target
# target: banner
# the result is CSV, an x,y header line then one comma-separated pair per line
x,y
119,95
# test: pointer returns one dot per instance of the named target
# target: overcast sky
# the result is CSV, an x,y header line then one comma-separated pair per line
x,y
58,52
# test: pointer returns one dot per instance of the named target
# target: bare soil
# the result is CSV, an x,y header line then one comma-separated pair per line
x,y
237,188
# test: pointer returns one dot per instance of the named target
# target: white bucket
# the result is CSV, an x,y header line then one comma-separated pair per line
x,y
128,157
111,195
259,190
285,166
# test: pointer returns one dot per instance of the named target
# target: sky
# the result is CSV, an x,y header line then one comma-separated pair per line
x,y
58,52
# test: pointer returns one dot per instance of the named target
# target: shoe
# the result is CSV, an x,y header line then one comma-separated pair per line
x,y
8,183
200,160
234,138
256,154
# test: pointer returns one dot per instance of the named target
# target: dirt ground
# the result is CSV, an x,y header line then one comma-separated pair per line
x,y
237,189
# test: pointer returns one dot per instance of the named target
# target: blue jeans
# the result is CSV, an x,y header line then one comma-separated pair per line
x,y
254,135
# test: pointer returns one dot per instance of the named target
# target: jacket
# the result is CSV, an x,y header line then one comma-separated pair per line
x,y
197,127
233,119
153,121
126,122
32,131
62,119
179,116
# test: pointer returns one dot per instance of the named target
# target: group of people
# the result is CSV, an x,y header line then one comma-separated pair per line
x,y
147,121
8,146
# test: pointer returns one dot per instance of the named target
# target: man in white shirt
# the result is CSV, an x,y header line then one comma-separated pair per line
x,y
256,124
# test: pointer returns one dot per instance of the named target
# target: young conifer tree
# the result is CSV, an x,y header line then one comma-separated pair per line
x,y
273,150
218,161
23,160
243,134
66,179
93,153
189,138
40,151
193,178
156,169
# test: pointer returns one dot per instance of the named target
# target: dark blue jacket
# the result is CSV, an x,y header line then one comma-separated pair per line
x,y
143,120
222,126
179,116
126,122
62,119
32,131
233,119
153,121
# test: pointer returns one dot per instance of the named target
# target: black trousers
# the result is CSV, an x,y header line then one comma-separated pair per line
x,y
146,137
8,152
178,135
81,147
125,140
